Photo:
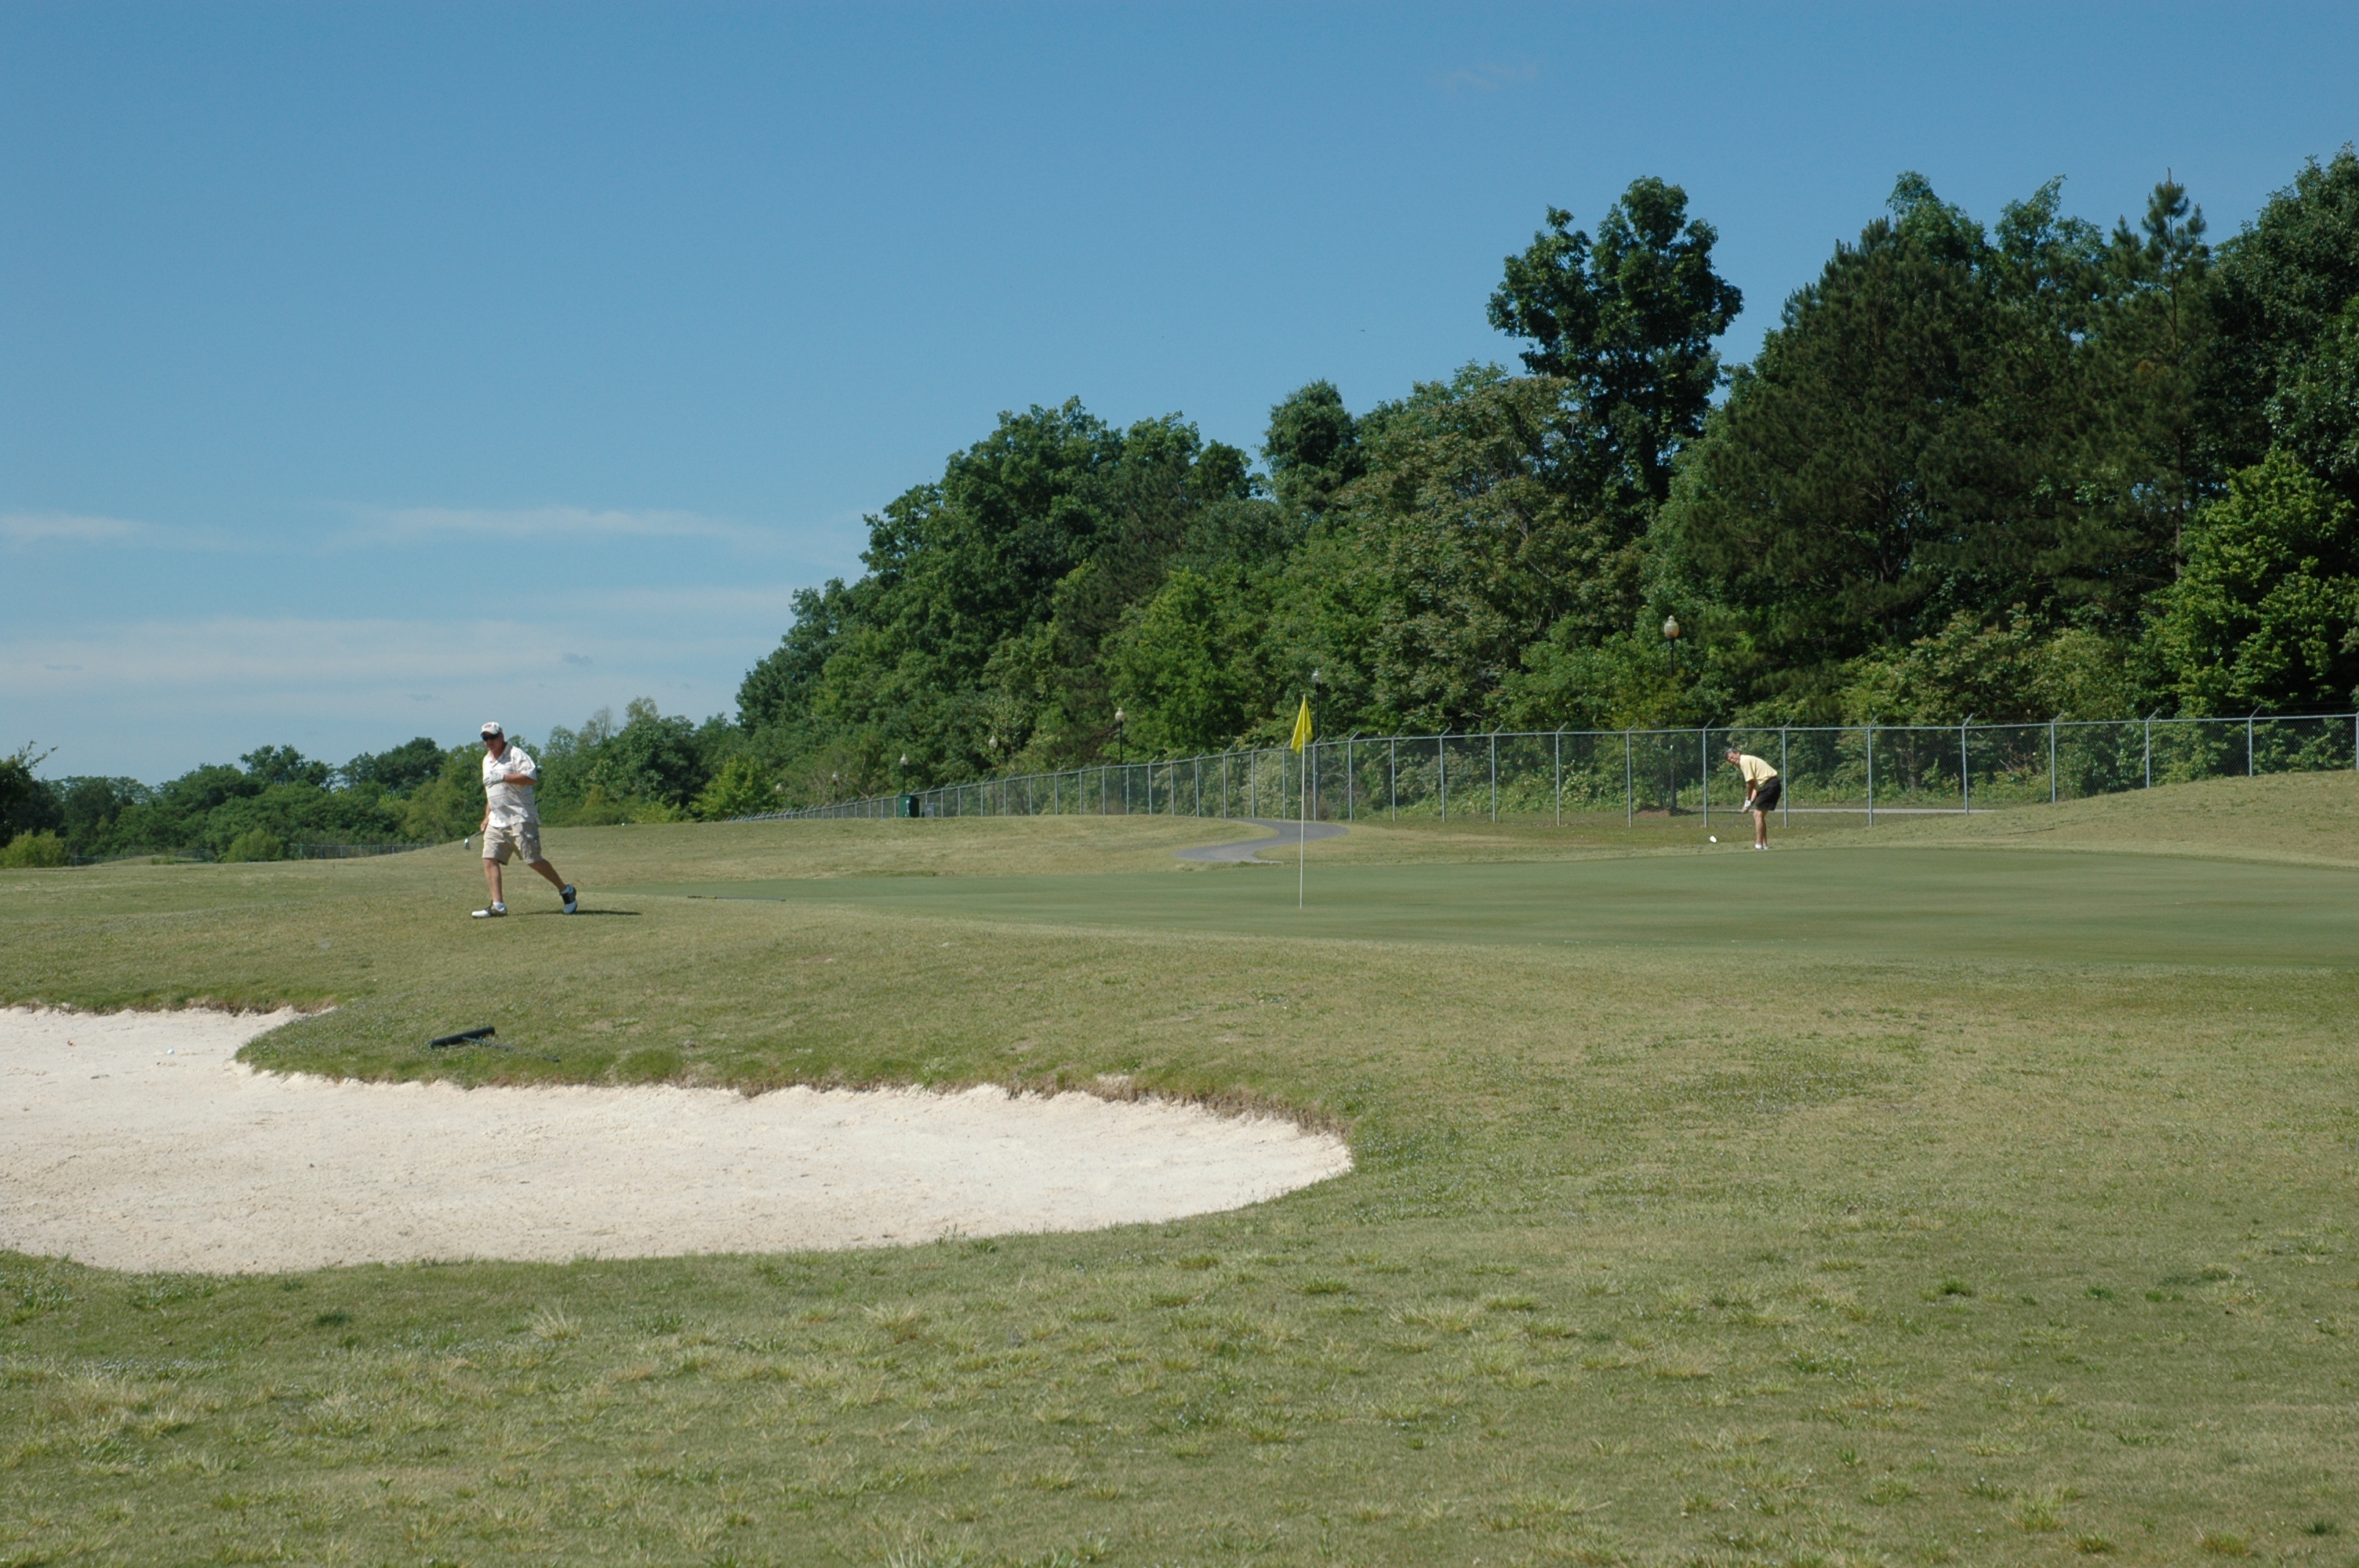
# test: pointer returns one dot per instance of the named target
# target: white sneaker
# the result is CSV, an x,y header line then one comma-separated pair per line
x,y
496,910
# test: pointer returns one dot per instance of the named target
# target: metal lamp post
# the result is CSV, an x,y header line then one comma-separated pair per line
x,y
1671,645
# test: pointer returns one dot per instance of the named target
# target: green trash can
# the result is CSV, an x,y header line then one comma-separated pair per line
x,y
908,806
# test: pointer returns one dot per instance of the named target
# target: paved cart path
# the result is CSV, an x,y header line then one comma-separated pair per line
x,y
1287,833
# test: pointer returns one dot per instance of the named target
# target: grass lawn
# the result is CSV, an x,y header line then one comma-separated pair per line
x,y
1960,1191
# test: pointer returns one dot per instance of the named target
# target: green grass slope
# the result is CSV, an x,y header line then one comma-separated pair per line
x,y
1943,1193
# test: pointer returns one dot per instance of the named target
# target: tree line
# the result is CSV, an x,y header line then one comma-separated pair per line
x,y
651,767
2029,469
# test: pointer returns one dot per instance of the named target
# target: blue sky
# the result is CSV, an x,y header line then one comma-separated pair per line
x,y
369,371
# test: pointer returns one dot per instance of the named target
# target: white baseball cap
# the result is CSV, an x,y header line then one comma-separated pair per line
x,y
492,728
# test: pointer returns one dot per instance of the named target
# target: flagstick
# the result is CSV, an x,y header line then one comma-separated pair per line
x,y
1301,787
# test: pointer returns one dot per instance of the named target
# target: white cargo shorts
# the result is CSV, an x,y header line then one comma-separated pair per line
x,y
517,838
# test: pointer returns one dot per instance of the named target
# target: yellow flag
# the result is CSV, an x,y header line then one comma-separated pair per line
x,y
1303,725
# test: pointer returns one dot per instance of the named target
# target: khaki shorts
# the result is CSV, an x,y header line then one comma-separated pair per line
x,y
523,839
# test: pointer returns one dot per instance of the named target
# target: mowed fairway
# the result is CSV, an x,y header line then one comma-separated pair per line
x,y
1848,902
1973,1191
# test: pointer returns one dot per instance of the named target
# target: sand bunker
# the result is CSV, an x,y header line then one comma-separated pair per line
x,y
135,1140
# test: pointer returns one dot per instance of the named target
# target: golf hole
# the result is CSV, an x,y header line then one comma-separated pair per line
x,y
138,1142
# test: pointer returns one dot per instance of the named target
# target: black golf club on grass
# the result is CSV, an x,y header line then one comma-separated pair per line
x,y
482,1037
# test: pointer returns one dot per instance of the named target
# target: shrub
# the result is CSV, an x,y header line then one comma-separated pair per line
x,y
599,809
256,844
737,790
33,849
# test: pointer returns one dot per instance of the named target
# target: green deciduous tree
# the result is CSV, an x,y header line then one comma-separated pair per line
x,y
1183,665
1312,448
256,844
2288,361
2266,617
34,851
975,643
28,804
1626,324
739,789
1483,521
395,772
271,765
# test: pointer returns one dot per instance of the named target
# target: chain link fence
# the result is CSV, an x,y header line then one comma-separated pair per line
x,y
1547,775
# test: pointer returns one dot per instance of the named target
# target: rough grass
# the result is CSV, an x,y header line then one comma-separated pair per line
x,y
1652,1255
2292,818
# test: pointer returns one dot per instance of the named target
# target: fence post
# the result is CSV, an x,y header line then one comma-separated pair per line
x,y
1442,769
1785,787
1629,780
2149,752
1495,778
1965,786
2248,745
1871,776
1704,756
1350,784
1559,778
2051,761
1392,779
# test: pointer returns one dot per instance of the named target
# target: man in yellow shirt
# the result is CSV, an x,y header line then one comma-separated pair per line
x,y
1762,789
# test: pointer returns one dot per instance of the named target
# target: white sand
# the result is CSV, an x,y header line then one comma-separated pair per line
x,y
135,1140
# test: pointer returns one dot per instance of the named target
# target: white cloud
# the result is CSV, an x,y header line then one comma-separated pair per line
x,y
405,524
28,530
153,698
765,604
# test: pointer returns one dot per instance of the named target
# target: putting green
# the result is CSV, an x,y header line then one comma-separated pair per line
x,y
1868,902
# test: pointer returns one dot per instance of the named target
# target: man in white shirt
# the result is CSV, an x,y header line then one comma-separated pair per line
x,y
1763,789
511,819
